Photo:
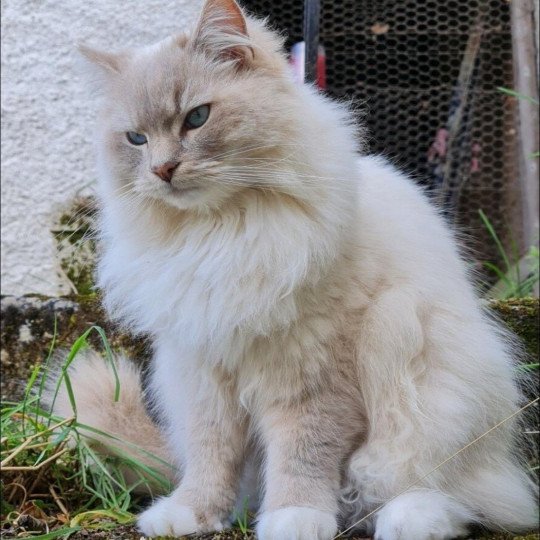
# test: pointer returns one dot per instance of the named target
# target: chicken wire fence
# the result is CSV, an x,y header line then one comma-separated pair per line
x,y
425,74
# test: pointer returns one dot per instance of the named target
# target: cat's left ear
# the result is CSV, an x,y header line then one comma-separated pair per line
x,y
101,68
222,31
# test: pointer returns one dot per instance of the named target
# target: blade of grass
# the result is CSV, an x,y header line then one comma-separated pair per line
x,y
45,370
513,93
124,518
493,234
66,532
110,358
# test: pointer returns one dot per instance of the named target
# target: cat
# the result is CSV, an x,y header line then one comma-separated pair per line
x,y
319,346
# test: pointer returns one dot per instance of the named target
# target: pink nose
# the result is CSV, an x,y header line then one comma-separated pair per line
x,y
165,170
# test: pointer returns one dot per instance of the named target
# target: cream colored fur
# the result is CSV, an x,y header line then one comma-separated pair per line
x,y
95,385
309,307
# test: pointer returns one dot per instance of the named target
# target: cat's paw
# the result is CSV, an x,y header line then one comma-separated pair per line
x,y
169,518
296,523
421,516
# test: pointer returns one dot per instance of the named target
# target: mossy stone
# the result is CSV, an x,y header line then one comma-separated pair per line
x,y
521,316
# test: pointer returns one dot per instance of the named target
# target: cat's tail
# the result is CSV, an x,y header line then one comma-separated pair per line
x,y
111,415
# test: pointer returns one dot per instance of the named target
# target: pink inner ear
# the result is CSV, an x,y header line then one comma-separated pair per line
x,y
236,17
225,15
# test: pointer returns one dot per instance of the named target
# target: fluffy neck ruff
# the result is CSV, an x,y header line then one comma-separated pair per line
x,y
213,277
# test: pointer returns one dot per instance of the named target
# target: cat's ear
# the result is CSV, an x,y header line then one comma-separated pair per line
x,y
101,67
107,61
222,31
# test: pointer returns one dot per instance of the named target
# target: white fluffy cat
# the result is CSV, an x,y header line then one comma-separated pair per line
x,y
314,326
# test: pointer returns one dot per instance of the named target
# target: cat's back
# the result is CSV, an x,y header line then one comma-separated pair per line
x,y
402,232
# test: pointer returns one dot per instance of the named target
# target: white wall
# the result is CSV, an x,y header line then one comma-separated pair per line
x,y
47,117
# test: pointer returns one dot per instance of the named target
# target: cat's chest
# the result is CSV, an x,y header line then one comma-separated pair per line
x,y
205,290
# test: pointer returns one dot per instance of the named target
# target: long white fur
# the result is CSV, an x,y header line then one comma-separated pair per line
x,y
348,246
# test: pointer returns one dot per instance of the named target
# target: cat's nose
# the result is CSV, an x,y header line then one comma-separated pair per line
x,y
165,170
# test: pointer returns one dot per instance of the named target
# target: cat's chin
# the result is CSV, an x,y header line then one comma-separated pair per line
x,y
185,199
197,197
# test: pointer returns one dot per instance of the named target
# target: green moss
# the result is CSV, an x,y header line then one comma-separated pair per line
x,y
74,234
521,316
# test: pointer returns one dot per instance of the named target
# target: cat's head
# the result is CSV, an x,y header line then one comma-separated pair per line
x,y
195,118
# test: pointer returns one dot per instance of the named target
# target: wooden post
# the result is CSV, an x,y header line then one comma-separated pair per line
x,y
524,38
312,10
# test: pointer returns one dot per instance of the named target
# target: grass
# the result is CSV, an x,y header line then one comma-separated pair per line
x,y
512,283
242,519
53,482
518,95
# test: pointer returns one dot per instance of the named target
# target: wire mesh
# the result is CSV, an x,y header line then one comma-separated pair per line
x,y
425,74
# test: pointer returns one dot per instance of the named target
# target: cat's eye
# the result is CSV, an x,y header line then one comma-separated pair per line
x,y
197,117
136,138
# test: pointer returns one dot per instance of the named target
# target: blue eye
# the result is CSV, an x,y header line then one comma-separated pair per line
x,y
197,117
136,138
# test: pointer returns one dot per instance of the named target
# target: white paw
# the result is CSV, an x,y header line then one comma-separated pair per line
x,y
422,516
167,518
296,523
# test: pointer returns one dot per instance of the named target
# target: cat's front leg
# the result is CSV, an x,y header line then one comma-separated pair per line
x,y
304,448
210,453
207,492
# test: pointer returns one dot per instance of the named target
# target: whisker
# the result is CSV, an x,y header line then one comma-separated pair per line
x,y
236,152
272,181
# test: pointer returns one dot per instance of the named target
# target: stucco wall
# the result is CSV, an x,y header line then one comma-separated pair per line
x,y
47,117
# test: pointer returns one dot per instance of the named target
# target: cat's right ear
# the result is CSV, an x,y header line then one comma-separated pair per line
x,y
222,31
101,67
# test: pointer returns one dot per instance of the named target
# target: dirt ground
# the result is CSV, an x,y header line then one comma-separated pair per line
x,y
124,532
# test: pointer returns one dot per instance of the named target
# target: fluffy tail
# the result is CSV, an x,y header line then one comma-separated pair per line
x,y
130,431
